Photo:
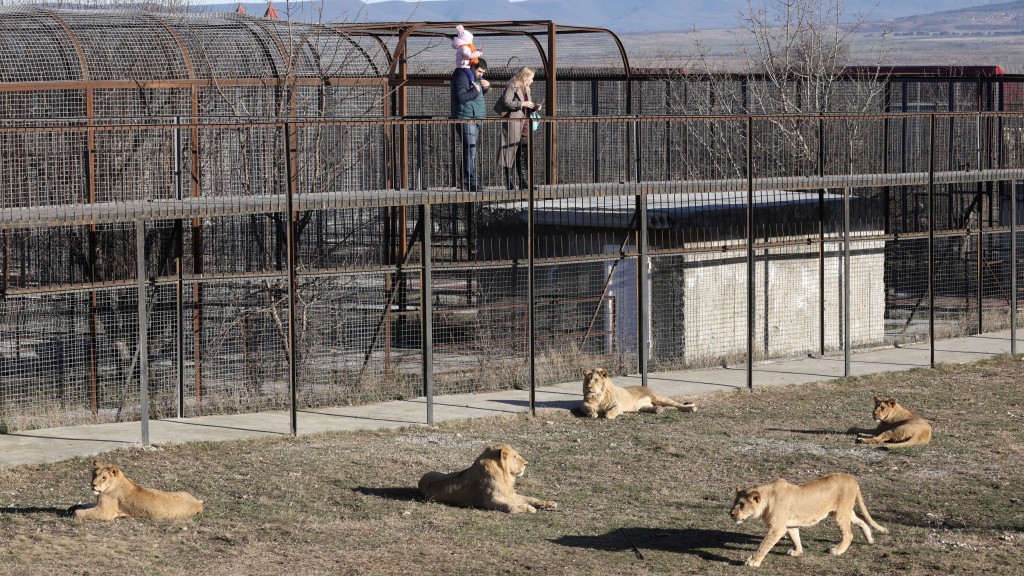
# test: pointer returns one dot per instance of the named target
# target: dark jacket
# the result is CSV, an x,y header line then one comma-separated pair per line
x,y
467,101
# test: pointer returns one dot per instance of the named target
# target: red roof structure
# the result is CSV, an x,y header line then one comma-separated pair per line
x,y
240,9
271,12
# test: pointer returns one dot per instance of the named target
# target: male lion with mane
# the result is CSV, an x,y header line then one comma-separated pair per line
x,y
897,426
117,495
786,507
601,397
489,483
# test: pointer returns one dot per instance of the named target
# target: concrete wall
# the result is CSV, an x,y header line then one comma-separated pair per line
x,y
711,289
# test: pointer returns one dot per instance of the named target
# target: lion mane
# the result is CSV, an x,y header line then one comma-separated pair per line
x,y
117,495
489,483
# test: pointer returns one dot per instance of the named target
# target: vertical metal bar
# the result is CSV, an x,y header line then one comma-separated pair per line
x,y
420,183
530,276
143,350
847,278
979,276
642,280
931,240
1013,265
750,253
402,97
595,109
638,155
670,150
197,251
179,283
93,241
427,312
551,129
821,238
290,175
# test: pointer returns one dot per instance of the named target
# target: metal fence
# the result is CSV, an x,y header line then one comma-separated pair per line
x,y
154,270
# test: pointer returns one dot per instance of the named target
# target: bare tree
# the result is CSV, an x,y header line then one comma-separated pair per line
x,y
795,58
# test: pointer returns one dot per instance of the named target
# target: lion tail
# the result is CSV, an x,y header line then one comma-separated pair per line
x,y
867,516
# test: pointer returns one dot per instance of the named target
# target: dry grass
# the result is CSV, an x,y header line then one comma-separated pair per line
x,y
639,495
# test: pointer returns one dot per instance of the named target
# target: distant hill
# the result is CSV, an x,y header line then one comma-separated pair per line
x,y
664,32
987,19
617,15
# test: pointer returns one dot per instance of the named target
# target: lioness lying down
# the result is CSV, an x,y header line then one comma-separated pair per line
x,y
117,495
489,483
897,426
786,507
601,397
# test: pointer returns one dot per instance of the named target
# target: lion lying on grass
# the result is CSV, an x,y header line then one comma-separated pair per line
x,y
897,426
786,507
489,483
601,397
117,495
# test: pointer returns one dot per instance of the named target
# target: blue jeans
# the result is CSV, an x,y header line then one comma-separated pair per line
x,y
469,133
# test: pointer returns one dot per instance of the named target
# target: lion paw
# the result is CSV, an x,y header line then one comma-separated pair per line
x,y
794,552
835,551
550,505
688,407
751,562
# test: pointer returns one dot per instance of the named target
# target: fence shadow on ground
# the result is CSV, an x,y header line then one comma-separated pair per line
x,y
560,404
402,493
705,544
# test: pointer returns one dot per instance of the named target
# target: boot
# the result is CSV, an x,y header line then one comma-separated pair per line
x,y
508,179
521,166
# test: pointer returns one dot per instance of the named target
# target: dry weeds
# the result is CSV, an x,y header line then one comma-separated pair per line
x,y
639,495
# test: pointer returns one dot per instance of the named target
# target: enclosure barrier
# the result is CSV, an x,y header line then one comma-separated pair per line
x,y
155,270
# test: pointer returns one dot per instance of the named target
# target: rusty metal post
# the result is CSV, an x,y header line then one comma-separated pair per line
x,y
531,232
427,312
821,238
551,132
143,325
179,284
847,278
931,240
750,253
642,264
1013,266
291,174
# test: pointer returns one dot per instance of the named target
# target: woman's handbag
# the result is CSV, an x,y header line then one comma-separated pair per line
x,y
530,122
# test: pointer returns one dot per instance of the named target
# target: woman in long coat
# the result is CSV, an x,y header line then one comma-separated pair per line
x,y
515,105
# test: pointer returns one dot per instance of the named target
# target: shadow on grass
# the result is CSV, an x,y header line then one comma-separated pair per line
x,y
812,432
704,544
39,510
402,493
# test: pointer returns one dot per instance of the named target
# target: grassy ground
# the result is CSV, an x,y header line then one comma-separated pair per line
x,y
640,495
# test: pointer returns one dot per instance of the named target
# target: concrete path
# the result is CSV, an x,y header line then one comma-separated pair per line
x,y
53,444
